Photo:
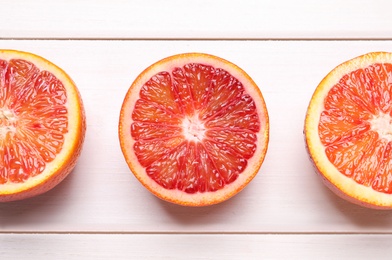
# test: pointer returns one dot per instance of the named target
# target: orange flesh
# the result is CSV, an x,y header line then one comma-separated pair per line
x,y
356,126
194,128
33,120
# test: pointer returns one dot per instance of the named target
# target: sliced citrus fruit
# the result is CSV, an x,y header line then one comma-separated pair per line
x,y
348,130
42,125
194,129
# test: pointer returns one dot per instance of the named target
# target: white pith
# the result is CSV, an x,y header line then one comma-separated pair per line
x,y
382,124
7,123
193,129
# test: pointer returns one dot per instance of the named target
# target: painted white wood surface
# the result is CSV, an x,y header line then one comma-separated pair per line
x,y
86,246
101,195
174,19
101,211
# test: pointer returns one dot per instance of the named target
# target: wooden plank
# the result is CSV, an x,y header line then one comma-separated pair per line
x,y
99,246
176,19
101,195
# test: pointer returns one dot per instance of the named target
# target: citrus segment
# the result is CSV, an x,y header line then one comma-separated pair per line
x,y
41,125
198,77
194,129
348,130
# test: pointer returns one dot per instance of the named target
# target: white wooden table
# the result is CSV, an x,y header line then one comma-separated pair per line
x,y
102,212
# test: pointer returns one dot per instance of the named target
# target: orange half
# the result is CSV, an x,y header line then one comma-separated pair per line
x,y
194,129
348,130
42,125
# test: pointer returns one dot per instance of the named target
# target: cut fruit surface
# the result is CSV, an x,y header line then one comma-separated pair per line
x,y
42,125
348,130
194,129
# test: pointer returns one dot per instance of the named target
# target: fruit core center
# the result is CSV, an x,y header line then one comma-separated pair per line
x,y
382,124
7,122
193,128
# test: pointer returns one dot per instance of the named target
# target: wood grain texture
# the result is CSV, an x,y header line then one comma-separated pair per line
x,y
101,195
175,19
102,212
160,246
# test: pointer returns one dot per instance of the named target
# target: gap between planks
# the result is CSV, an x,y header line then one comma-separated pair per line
x,y
191,233
188,39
